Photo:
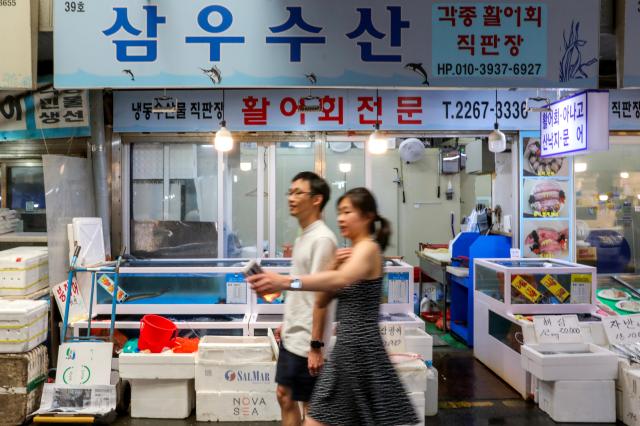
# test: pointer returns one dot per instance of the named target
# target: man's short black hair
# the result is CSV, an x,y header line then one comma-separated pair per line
x,y
317,185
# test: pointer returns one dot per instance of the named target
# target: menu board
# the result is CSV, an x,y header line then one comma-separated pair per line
x,y
546,202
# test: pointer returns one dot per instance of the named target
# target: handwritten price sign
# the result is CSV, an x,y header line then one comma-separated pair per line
x,y
393,337
557,329
622,330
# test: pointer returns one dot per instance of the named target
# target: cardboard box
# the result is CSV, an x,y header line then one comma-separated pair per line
x,y
21,379
23,270
237,406
162,399
255,376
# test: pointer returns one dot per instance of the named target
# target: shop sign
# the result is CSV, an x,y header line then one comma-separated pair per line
x,y
631,60
624,109
19,46
331,43
46,113
578,124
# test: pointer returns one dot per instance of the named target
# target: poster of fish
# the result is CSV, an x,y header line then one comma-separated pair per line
x,y
534,165
545,198
546,239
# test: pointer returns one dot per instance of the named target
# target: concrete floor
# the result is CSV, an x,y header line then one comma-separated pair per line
x,y
469,394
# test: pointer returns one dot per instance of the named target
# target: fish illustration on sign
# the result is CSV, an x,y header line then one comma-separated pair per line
x,y
418,69
214,74
130,74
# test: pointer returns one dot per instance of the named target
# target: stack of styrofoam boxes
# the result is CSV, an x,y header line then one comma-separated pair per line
x,y
628,393
161,384
24,362
575,382
235,379
413,375
24,271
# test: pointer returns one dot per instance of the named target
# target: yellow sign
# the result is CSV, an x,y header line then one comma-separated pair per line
x,y
555,288
581,278
526,289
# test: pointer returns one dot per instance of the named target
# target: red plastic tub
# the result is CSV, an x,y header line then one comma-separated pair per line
x,y
156,333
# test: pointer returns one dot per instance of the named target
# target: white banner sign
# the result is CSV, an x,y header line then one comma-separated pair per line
x,y
557,329
19,43
622,330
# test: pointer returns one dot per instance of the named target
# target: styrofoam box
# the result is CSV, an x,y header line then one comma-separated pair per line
x,y
413,375
578,401
23,270
255,376
417,341
235,349
417,400
162,399
165,365
580,361
23,324
628,389
237,406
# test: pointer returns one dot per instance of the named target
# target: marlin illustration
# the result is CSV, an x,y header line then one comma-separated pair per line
x,y
214,74
130,73
417,68
312,78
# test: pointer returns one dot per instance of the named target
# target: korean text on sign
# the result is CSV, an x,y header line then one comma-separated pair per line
x,y
563,129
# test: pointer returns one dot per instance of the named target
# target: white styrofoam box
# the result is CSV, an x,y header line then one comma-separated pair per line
x,y
578,401
235,349
417,400
416,341
580,361
628,391
23,324
255,376
87,232
165,365
23,270
237,406
162,399
413,375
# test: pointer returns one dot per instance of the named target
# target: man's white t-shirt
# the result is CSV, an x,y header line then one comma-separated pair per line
x,y
313,251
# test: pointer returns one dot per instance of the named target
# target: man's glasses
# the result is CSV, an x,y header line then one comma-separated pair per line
x,y
297,193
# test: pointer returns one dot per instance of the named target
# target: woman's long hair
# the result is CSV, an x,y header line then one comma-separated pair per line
x,y
363,200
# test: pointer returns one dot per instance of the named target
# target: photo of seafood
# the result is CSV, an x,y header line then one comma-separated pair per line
x,y
546,239
533,165
545,198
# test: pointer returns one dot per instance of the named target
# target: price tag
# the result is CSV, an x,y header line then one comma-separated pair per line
x,y
622,330
580,288
557,329
236,289
555,288
393,337
77,308
526,289
398,287
514,253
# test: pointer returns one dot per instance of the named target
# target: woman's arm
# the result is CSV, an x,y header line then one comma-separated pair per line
x,y
356,268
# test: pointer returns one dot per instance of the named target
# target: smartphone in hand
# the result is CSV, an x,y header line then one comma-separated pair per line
x,y
252,268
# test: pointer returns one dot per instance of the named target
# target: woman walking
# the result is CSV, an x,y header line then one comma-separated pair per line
x,y
358,385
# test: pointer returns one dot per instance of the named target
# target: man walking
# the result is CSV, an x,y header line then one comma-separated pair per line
x,y
301,355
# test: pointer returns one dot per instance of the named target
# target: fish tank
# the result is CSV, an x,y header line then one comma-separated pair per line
x,y
537,286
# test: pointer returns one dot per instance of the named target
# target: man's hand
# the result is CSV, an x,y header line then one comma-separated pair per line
x,y
315,361
277,334
269,282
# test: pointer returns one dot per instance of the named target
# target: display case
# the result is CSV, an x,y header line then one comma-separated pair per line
x,y
619,294
509,292
536,286
396,304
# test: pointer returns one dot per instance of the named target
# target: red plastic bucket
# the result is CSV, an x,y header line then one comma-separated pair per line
x,y
156,333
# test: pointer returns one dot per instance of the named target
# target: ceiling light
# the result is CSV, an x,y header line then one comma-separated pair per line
x,y
580,167
497,140
624,175
223,140
344,167
245,166
376,143
603,197
300,145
